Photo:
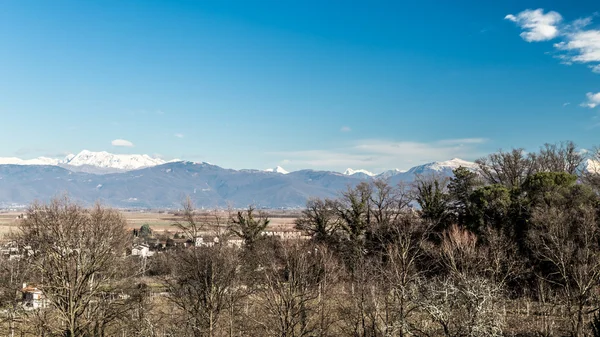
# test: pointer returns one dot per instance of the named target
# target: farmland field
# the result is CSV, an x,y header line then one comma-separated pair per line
x,y
280,220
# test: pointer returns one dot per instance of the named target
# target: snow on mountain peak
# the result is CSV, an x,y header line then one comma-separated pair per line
x,y
35,161
592,166
277,169
104,159
350,172
68,158
452,163
389,173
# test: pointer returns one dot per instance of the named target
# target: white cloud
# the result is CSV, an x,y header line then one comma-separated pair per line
x,y
121,142
582,46
378,155
577,44
179,135
565,104
537,26
593,100
345,129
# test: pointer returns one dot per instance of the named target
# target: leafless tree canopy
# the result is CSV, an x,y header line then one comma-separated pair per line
x,y
561,157
507,168
77,258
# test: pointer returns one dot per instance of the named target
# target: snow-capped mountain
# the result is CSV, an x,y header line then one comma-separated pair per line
x,y
35,161
278,169
350,172
88,161
438,167
453,164
442,167
209,185
104,162
164,185
592,166
104,159
389,173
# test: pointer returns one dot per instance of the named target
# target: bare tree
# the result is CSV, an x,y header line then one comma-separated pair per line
x,y
507,168
14,271
78,257
459,252
202,282
461,302
567,237
461,307
295,297
191,225
362,304
386,203
401,273
503,263
388,208
561,157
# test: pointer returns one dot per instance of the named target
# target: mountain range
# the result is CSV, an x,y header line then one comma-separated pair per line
x,y
140,181
92,162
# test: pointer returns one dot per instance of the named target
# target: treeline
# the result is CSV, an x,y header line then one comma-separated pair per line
x,y
509,249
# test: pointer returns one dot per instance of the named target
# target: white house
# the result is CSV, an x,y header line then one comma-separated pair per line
x,y
200,242
141,250
33,298
284,235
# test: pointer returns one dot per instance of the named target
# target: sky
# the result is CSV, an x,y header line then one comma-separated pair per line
x,y
312,84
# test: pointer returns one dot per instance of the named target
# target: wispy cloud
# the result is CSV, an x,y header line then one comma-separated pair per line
x,y
345,129
593,100
121,143
378,155
567,103
179,135
577,43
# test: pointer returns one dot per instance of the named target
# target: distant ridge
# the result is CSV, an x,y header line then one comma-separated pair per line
x,y
166,185
103,162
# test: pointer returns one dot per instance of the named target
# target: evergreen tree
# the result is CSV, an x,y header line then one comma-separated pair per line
x,y
434,202
145,231
460,188
248,227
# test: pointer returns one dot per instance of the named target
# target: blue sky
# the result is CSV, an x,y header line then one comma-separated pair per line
x,y
301,84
